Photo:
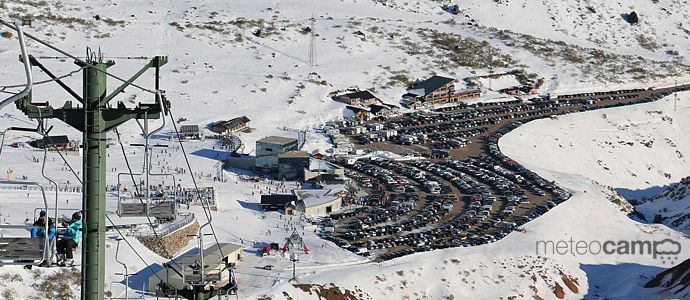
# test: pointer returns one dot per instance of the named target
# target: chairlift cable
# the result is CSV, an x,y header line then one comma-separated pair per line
x,y
76,58
148,266
196,187
136,187
43,81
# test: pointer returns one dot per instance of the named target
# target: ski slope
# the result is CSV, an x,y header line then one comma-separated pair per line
x,y
229,59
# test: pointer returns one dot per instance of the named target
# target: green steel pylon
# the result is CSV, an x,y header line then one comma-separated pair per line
x,y
94,118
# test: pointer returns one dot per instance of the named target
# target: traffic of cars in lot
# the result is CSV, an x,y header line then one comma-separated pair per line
x,y
425,203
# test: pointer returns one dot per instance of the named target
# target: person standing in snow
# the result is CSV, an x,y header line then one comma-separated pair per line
x,y
70,240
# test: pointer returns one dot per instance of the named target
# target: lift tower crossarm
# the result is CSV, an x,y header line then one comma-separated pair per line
x,y
156,62
35,62
112,117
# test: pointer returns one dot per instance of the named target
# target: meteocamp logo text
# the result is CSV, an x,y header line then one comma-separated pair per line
x,y
667,249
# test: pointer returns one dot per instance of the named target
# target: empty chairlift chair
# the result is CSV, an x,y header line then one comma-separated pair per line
x,y
162,207
165,204
201,276
142,203
138,205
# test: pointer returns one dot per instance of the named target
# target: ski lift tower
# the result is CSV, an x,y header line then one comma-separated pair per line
x,y
93,116
295,246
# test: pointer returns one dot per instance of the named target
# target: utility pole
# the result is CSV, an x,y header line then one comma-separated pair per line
x,y
491,66
675,99
312,50
94,119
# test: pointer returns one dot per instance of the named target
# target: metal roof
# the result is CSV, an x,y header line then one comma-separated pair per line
x,y
293,154
212,254
231,123
432,84
189,128
55,140
359,95
277,199
277,140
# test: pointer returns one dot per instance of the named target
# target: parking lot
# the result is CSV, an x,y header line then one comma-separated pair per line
x,y
456,189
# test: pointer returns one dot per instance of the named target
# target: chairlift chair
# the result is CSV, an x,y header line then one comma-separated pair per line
x,y
139,205
143,204
200,279
26,245
24,250
195,274
165,206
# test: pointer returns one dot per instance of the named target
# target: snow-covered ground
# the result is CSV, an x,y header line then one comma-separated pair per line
x,y
221,67
503,82
631,147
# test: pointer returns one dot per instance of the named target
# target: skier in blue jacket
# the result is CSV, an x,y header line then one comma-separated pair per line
x,y
41,223
39,232
70,240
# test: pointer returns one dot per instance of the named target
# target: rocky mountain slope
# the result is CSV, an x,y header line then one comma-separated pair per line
x,y
672,206
674,282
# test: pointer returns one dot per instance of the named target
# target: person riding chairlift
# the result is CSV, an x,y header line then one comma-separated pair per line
x,y
40,233
70,240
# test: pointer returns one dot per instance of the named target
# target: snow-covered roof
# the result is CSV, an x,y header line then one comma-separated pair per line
x,y
277,140
212,254
316,197
321,165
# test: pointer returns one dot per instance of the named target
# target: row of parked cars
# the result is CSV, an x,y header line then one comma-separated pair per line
x,y
412,128
417,230
402,232
602,94
392,181
458,202
467,175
